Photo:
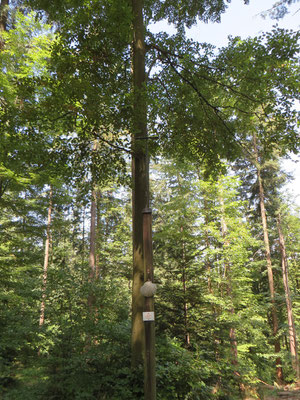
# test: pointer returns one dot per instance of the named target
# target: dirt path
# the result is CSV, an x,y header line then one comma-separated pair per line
x,y
283,395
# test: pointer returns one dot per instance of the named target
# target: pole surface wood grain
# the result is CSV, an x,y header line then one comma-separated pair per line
x,y
150,378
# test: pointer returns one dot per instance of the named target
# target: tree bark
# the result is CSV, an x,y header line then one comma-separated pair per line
x,y
185,306
83,237
4,4
183,265
98,229
279,372
289,307
140,178
232,334
46,259
3,15
3,20
227,274
92,252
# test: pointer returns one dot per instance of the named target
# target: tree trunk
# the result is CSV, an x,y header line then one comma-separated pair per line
x,y
183,265
83,237
3,18
185,306
98,228
227,275
46,259
214,308
279,372
92,252
232,335
3,23
291,324
140,178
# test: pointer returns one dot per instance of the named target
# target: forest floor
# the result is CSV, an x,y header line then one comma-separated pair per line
x,y
287,393
284,396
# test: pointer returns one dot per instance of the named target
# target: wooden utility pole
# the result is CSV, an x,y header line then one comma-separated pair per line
x,y
140,179
149,365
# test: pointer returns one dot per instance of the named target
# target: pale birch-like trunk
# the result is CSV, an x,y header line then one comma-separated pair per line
x,y
98,229
184,288
279,372
289,307
83,238
92,251
183,278
3,26
227,272
46,259
215,311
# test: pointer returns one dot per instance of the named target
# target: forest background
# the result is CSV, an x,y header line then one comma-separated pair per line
x,y
88,95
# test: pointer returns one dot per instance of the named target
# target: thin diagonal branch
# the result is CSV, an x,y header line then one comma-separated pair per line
x,y
115,146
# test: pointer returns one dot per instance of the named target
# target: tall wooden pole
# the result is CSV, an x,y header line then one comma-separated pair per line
x,y
149,365
140,179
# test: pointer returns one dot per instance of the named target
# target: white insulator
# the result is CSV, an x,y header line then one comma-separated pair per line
x,y
148,289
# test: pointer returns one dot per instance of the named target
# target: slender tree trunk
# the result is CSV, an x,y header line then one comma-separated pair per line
x,y
98,228
227,274
208,263
46,259
92,252
183,279
3,19
83,237
3,27
185,309
185,306
279,372
140,178
291,323
208,267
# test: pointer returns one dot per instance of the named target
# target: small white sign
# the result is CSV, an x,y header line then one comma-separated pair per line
x,y
148,316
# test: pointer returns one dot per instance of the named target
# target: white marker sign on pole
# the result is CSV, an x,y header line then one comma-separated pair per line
x,y
148,316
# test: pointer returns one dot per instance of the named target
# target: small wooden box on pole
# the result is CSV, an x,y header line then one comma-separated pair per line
x,y
148,290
